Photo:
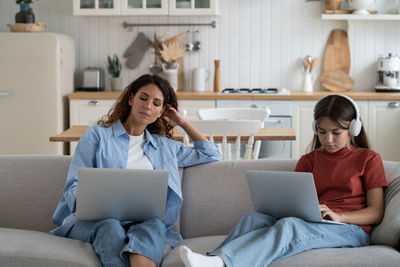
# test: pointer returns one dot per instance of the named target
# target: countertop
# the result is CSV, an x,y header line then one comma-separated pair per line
x,y
293,95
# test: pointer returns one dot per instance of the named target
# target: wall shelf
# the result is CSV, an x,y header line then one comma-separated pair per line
x,y
349,17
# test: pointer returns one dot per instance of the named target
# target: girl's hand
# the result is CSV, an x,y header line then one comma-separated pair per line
x,y
172,117
329,214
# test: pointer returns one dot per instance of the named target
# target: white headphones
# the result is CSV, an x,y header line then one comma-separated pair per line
x,y
355,124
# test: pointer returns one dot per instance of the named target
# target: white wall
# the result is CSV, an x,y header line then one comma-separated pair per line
x,y
260,42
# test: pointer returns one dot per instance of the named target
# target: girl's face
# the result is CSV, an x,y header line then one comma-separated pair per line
x,y
146,105
331,136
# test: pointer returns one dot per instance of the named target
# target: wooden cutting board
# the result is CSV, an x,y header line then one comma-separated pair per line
x,y
337,81
337,52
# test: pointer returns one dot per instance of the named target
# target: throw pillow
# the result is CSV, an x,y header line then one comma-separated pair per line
x,y
388,231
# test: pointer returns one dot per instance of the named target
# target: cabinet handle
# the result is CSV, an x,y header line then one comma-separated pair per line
x,y
94,102
394,104
5,94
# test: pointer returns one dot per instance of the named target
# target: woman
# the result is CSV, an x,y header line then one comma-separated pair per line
x,y
349,178
136,133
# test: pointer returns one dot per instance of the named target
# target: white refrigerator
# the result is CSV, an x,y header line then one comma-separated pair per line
x,y
36,75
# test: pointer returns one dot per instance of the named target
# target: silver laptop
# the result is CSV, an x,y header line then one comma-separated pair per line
x,y
123,194
285,194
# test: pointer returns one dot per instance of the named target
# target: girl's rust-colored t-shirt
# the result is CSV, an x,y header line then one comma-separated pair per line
x,y
343,178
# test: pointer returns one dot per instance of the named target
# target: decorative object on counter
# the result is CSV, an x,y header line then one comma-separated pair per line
x,y
114,69
200,77
25,27
361,6
309,65
25,15
336,63
25,19
337,81
170,73
136,51
388,73
217,76
330,5
171,52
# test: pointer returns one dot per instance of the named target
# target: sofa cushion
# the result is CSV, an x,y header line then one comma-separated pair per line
x,y
360,257
31,187
216,195
388,231
31,248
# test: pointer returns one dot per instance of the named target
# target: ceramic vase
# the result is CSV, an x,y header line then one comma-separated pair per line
x,y
116,84
20,17
170,73
361,6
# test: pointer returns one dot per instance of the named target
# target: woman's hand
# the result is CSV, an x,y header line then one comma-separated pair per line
x,y
329,214
172,117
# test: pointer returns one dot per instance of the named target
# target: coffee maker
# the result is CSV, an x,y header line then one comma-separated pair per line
x,y
389,74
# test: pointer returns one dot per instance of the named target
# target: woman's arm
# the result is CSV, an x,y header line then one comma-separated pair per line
x,y
372,214
173,118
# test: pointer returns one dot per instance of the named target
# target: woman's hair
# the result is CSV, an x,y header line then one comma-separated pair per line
x,y
121,109
338,109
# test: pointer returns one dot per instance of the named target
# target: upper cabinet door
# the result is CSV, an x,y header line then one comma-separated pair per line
x,y
144,7
96,7
193,7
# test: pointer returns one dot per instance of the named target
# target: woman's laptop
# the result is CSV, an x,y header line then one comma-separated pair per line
x,y
123,194
285,194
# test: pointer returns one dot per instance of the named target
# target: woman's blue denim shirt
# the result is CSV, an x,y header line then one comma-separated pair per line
x,y
102,147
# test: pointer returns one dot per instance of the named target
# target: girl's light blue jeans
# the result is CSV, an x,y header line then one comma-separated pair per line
x,y
258,239
113,241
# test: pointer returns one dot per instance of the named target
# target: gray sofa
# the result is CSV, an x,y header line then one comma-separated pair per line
x,y
216,196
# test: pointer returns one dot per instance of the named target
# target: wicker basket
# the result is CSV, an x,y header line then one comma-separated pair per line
x,y
27,27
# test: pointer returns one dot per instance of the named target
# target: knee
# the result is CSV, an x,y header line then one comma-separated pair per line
x,y
110,225
288,222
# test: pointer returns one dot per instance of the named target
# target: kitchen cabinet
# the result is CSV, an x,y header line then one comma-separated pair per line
x,y
384,121
302,117
87,112
144,7
193,7
96,7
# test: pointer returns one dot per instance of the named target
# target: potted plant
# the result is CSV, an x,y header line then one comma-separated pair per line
x,y
114,69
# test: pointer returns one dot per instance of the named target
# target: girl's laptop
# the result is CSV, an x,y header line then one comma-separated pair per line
x,y
123,194
285,194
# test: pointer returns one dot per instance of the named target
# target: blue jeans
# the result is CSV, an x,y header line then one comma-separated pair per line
x,y
113,241
258,239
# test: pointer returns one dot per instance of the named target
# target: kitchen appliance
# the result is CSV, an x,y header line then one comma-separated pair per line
x,y
92,79
200,77
388,73
280,117
241,91
37,74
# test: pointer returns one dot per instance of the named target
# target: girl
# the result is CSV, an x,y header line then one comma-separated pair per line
x,y
349,178
135,134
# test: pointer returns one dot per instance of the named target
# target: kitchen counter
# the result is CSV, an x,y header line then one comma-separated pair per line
x,y
293,95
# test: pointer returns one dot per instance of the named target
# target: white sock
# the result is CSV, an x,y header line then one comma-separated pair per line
x,y
191,259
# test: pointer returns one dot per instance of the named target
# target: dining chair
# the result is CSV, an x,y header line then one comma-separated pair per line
x,y
233,121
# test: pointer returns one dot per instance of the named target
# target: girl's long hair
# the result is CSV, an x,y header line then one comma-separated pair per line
x,y
121,109
338,109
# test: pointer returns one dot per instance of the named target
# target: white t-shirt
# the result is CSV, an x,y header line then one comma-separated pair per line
x,y
136,157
